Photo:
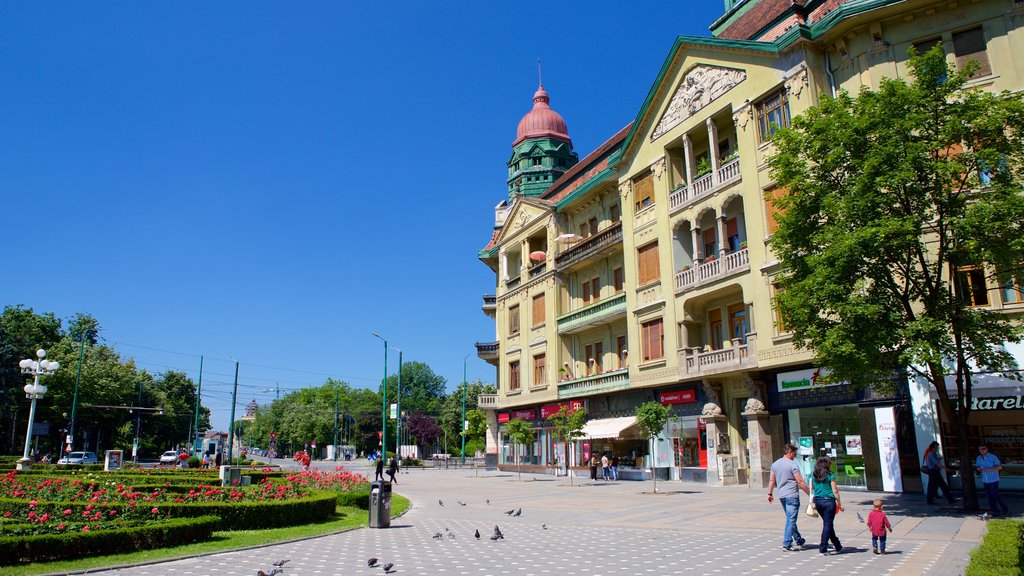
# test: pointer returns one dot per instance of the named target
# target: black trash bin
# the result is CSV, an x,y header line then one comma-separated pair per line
x,y
380,504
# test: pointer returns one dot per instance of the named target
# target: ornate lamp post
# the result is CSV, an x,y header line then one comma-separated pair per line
x,y
34,391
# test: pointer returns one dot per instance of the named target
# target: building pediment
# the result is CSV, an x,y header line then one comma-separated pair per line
x,y
700,86
524,213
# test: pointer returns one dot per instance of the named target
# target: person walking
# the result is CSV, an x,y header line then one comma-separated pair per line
x,y
878,523
989,466
593,467
392,470
615,468
786,475
827,503
605,467
933,468
379,475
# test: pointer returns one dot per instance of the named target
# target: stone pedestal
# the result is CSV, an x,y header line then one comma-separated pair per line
x,y
24,464
491,441
717,426
759,442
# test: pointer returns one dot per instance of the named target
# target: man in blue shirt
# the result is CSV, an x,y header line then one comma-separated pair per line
x,y
989,466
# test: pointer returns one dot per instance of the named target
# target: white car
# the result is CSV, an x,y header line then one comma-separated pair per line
x,y
169,457
79,458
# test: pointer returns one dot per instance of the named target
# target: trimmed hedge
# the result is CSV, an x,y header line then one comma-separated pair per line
x,y
174,532
232,515
1001,552
354,499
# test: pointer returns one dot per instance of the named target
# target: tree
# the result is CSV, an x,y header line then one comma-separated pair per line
x,y
85,327
519,432
568,425
475,433
651,418
892,195
423,428
422,389
451,409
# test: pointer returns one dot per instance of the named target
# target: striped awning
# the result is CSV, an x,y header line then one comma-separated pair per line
x,y
608,427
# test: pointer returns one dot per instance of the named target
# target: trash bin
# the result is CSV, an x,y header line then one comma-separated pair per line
x,y
230,475
380,504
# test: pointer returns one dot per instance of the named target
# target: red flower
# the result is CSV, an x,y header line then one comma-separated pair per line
x,y
155,511
68,511
31,503
85,528
60,526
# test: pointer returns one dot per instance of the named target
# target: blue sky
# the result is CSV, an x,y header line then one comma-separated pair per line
x,y
273,181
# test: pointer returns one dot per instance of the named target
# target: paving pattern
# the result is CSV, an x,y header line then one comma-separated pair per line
x,y
601,529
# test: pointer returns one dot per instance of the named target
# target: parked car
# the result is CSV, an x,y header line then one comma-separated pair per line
x,y
169,458
79,458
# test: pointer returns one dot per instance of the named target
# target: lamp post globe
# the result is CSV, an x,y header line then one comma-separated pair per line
x,y
34,391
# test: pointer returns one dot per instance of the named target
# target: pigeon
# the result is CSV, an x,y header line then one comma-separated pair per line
x,y
518,512
451,535
439,502
488,500
509,512
461,503
477,534
497,533
388,567
543,526
280,563
437,536
371,562
859,517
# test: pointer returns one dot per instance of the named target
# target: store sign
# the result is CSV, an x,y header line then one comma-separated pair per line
x,y
888,452
549,409
678,397
802,379
503,417
998,403
530,414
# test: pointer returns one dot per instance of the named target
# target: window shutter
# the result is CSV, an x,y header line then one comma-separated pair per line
x,y
970,45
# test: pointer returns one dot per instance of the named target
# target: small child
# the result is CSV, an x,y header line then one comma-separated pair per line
x,y
878,523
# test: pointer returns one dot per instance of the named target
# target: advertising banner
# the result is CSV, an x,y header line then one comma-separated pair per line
x,y
678,397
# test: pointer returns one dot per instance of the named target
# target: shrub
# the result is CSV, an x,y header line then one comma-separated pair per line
x,y
410,461
193,462
21,549
354,499
1000,552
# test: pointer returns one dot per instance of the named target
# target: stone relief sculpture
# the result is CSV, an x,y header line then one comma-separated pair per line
x,y
699,87
712,407
754,405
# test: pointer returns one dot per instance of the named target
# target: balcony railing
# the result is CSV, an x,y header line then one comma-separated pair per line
x,y
490,304
597,384
590,247
707,184
602,312
739,356
732,263
513,283
487,350
537,270
487,401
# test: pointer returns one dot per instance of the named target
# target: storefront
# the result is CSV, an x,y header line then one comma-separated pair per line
x,y
870,437
545,451
688,435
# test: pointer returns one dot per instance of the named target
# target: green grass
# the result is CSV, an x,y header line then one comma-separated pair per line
x,y
345,519
1000,552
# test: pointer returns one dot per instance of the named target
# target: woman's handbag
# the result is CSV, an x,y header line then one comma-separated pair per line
x,y
811,510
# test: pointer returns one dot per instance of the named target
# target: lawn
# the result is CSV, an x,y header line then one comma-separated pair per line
x,y
346,518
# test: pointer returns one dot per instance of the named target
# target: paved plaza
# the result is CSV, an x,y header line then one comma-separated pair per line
x,y
604,528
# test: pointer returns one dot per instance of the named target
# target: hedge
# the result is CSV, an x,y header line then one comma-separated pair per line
x,y
354,499
1001,552
232,515
174,532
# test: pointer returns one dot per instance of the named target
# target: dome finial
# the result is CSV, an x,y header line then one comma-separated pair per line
x,y
540,78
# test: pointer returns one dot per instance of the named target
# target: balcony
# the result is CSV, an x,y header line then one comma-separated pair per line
x,y
537,270
597,384
487,351
595,246
708,184
600,313
487,401
513,283
738,356
728,265
490,305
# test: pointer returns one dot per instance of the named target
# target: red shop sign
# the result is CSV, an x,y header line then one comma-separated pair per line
x,y
678,397
503,417
549,409
530,414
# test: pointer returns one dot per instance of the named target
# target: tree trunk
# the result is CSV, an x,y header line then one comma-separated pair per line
x,y
568,464
970,503
957,418
519,461
654,475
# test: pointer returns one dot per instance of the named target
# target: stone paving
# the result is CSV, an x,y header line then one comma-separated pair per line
x,y
604,529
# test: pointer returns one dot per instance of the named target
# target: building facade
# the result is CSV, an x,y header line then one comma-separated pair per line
x,y
642,272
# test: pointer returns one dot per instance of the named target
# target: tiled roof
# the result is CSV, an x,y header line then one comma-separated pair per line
x,y
589,166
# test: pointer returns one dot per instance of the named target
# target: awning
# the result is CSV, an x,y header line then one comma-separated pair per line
x,y
608,427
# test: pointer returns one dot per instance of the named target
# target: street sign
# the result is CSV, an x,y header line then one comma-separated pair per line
x,y
394,412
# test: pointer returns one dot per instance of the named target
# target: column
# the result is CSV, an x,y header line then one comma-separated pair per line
x,y
722,240
688,158
492,446
503,265
698,246
759,441
713,146
717,430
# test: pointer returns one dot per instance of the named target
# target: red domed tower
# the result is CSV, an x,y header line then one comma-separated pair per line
x,y
542,150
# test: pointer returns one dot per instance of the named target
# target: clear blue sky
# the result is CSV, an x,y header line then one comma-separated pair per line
x,y
273,181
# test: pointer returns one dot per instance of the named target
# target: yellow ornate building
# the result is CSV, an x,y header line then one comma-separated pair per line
x,y
642,272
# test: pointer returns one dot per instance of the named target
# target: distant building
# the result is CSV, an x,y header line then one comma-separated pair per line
x,y
250,410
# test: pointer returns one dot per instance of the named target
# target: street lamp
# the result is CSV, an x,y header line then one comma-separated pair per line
x,y
34,391
464,427
384,401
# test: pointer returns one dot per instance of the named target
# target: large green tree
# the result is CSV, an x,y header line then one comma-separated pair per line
x,y
422,389
892,195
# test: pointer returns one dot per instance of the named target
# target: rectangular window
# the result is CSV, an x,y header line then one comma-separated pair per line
x,y
971,286
732,234
621,351
922,46
618,279
715,329
738,322
538,310
647,260
513,320
1010,288
593,225
970,45
772,210
772,114
585,230
540,373
594,353
653,340
586,292
710,243
595,288
614,214
780,326
643,191
513,375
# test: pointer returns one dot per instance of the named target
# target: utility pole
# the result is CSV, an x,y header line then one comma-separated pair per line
x,y
231,426
74,401
466,357
197,443
138,425
335,424
398,410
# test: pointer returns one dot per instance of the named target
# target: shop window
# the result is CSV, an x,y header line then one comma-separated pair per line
x,y
715,329
513,320
643,191
614,213
618,279
513,375
653,339
538,310
970,45
772,113
738,326
647,258
540,375
971,286
621,351
594,358
1010,287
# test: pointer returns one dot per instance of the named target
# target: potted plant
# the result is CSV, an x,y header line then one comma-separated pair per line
x,y
685,268
743,245
703,166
